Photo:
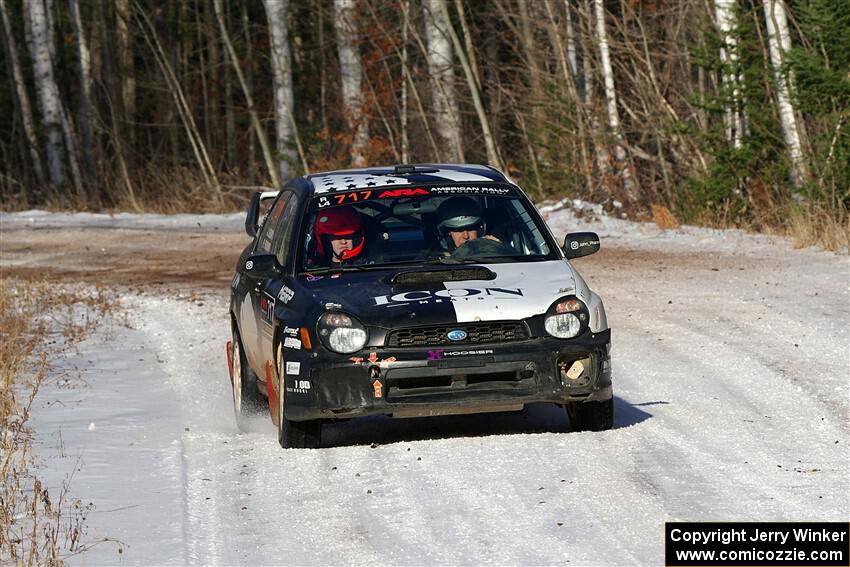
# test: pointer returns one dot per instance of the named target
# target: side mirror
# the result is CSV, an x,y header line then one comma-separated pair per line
x,y
252,219
578,244
263,266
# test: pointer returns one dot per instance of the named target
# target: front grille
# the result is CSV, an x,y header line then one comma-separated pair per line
x,y
476,333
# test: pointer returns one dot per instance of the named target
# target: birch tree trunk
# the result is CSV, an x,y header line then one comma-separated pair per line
x,y
351,75
732,114
85,90
281,60
48,90
611,99
489,143
23,101
441,72
405,145
779,41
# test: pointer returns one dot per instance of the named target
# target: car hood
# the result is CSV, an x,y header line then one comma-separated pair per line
x,y
518,291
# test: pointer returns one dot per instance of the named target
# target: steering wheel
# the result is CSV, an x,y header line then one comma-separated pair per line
x,y
483,247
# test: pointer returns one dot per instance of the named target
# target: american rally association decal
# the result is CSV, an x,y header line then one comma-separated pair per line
x,y
425,296
291,342
471,190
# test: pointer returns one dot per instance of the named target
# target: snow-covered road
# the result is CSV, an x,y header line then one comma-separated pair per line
x,y
731,361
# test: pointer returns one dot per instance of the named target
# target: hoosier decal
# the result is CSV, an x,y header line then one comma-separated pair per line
x,y
425,296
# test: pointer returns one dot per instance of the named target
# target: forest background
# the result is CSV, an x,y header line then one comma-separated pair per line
x,y
716,112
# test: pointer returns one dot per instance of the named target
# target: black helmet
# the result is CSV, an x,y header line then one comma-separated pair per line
x,y
458,213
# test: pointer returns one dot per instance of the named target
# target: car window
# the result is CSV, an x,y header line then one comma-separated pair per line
x,y
285,229
422,224
269,229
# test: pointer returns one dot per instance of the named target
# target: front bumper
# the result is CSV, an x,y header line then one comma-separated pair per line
x,y
413,382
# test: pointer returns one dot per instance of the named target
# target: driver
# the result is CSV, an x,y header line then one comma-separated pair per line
x,y
460,220
339,235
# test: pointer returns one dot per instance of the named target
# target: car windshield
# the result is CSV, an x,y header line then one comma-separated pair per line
x,y
423,224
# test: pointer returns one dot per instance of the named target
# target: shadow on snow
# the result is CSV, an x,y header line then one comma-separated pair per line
x,y
535,418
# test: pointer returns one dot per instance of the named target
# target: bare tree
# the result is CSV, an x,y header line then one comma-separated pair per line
x,y
282,76
351,75
84,63
249,98
125,65
780,43
48,90
489,142
733,117
440,58
611,99
22,99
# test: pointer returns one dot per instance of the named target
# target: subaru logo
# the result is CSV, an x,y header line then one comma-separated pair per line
x,y
456,335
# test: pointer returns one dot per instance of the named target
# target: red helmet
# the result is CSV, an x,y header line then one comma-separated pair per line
x,y
335,223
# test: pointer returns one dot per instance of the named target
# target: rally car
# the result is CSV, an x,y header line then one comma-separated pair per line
x,y
411,291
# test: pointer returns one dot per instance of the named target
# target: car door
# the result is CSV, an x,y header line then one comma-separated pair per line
x,y
273,292
258,309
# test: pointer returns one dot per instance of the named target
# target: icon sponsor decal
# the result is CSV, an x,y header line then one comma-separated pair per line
x,y
285,294
300,386
290,331
356,359
323,202
425,296
291,342
293,368
249,265
471,190
441,353
378,388
385,363
373,357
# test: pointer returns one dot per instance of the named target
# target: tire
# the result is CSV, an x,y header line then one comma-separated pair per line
x,y
247,399
294,434
591,416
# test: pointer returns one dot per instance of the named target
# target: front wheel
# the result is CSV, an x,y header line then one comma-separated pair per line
x,y
247,399
591,416
293,434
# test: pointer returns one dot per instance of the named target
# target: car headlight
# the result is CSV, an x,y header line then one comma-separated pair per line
x,y
341,332
565,318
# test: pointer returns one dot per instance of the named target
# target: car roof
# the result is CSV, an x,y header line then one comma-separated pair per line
x,y
372,177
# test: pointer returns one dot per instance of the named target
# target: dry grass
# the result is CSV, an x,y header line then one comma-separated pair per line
x,y
663,218
37,526
819,228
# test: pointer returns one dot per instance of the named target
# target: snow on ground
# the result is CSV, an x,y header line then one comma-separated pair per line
x,y
731,369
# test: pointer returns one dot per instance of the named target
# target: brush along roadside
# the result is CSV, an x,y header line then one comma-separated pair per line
x,y
39,525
